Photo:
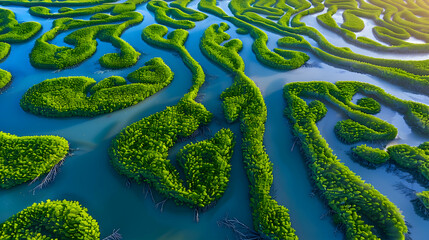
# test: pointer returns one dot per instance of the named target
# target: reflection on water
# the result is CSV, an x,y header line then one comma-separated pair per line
x,y
89,178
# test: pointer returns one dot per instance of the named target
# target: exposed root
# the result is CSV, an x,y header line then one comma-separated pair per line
x,y
161,204
114,236
49,177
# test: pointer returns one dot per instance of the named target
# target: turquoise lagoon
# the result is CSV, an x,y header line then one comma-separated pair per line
x,y
88,177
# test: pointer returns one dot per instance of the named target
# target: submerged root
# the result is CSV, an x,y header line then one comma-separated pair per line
x,y
114,236
293,146
328,213
410,193
240,229
161,204
147,190
196,216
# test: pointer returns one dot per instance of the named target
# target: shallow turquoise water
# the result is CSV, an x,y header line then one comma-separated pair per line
x,y
89,178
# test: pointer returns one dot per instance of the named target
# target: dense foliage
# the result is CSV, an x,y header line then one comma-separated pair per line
x,y
26,158
13,32
424,198
244,101
5,78
140,151
370,155
46,55
413,158
114,8
410,74
51,220
163,12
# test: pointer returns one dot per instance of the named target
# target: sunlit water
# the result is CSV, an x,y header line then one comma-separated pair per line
x,y
89,178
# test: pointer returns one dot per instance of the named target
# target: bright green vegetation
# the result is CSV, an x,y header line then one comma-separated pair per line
x,y
154,35
412,159
279,59
362,126
29,3
318,109
14,32
26,158
399,23
370,155
226,55
206,166
140,151
410,74
51,220
163,12
244,101
114,8
113,81
67,96
350,131
154,72
46,55
356,205
369,105
143,151
5,78
4,50
415,159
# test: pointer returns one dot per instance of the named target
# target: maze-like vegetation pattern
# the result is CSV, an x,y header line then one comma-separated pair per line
x,y
199,177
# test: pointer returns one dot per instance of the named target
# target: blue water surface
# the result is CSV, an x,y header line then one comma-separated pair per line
x,y
89,178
